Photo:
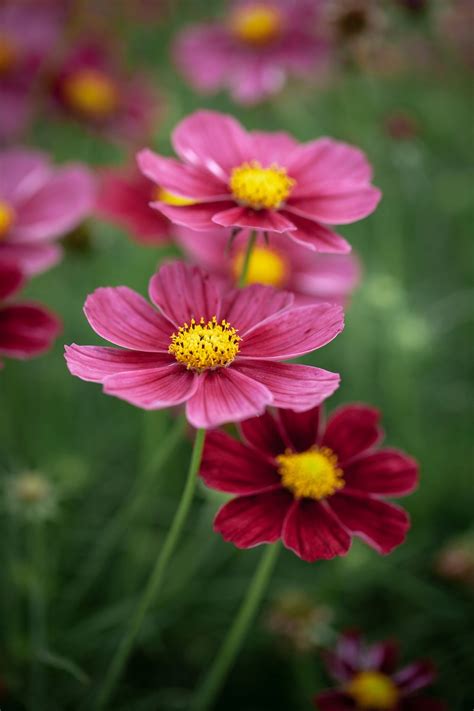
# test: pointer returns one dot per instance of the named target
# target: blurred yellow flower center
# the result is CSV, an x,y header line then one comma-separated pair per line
x,y
265,267
259,187
7,216
373,690
202,346
163,195
257,23
92,93
31,488
313,474
8,54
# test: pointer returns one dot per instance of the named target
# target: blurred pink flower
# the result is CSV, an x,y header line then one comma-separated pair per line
x,y
219,354
26,329
39,204
253,49
263,181
91,87
277,262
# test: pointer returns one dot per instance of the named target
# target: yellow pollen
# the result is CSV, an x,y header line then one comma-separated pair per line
x,y
313,474
265,267
7,216
256,24
92,93
259,187
8,54
373,690
205,346
171,199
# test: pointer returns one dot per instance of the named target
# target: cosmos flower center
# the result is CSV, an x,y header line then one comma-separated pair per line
x,y
313,474
8,54
205,346
261,188
256,24
92,93
7,216
265,267
165,196
373,690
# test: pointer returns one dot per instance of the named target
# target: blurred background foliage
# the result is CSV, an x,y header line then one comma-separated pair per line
x,y
406,349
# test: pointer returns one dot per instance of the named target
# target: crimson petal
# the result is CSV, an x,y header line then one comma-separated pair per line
x,y
313,532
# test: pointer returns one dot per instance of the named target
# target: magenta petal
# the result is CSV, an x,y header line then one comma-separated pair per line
x,y
248,521
183,292
197,217
246,308
125,318
245,217
337,203
230,466
415,676
293,333
383,526
313,532
26,330
275,147
387,472
315,236
264,434
11,278
382,656
33,258
153,388
225,395
351,430
301,428
334,701
22,172
324,159
95,363
298,387
184,180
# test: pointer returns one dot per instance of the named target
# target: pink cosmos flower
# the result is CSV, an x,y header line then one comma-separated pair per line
x,y
38,205
26,329
90,87
252,50
368,679
221,355
262,181
315,486
278,262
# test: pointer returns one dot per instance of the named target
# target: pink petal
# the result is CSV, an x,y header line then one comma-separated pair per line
x,y
415,676
22,172
264,434
298,387
230,466
315,236
337,203
33,258
26,330
249,521
387,472
245,217
246,308
313,532
293,333
351,430
211,140
11,278
95,363
184,180
382,656
202,55
153,388
325,160
125,318
183,292
225,395
207,249
268,148
383,526
196,217
301,428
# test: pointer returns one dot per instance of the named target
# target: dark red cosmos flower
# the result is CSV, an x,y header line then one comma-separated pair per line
x,y
26,329
312,485
368,679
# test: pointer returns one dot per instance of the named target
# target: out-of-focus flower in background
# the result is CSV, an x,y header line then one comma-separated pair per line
x,y
454,24
368,678
275,261
298,621
31,495
401,125
455,561
253,48
26,329
39,204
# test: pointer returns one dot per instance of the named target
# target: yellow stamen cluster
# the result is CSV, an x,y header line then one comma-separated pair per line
x,y
265,267
205,346
7,217
313,474
261,188
8,54
92,93
163,195
373,690
256,24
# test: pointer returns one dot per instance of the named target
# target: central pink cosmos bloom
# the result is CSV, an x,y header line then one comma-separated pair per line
x,y
218,354
262,181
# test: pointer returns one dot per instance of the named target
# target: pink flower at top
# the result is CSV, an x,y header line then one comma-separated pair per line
x,y
262,181
312,485
253,49
277,262
26,329
90,87
368,679
221,355
39,204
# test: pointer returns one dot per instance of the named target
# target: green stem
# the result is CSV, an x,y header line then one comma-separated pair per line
x,y
156,578
224,660
37,615
245,266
